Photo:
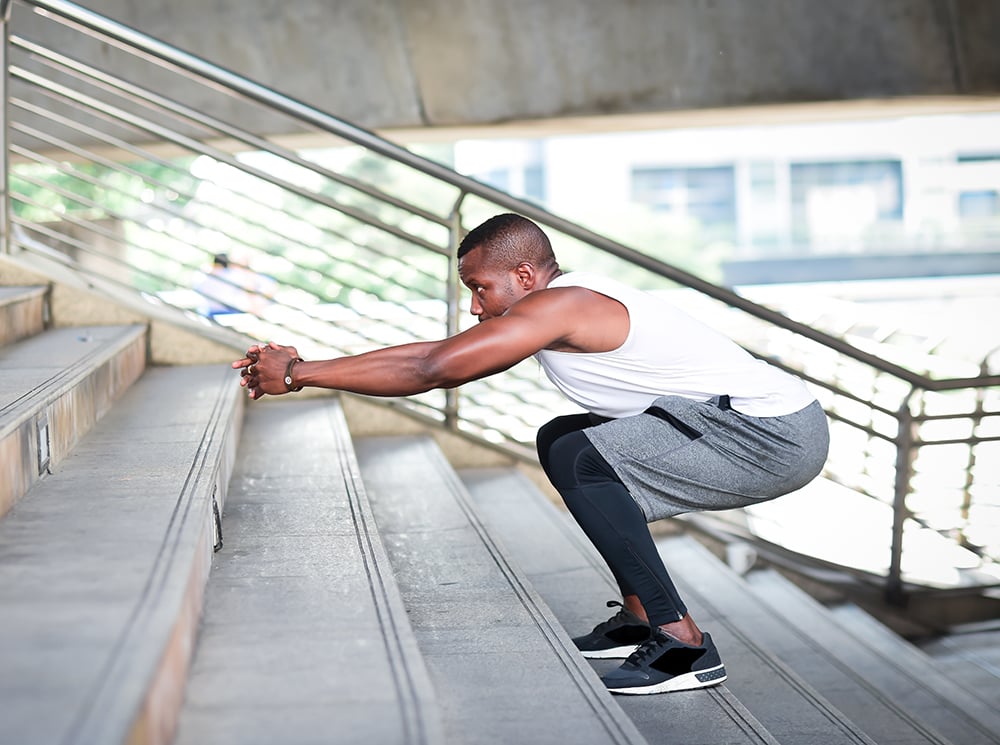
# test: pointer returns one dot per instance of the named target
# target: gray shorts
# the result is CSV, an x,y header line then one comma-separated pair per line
x,y
700,456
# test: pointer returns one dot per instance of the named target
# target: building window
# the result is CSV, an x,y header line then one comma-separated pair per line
x,y
844,199
706,195
498,178
978,182
976,204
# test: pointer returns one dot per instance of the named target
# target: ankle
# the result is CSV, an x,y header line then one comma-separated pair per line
x,y
684,631
633,605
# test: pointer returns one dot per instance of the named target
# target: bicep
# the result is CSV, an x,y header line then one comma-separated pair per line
x,y
490,347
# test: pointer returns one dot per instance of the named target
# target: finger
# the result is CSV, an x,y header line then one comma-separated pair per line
x,y
245,362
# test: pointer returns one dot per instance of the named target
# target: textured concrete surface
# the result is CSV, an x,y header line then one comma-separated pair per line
x,y
97,560
53,388
407,63
22,312
503,668
304,637
970,656
865,678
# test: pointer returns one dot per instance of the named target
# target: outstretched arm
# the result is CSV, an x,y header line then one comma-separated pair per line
x,y
490,347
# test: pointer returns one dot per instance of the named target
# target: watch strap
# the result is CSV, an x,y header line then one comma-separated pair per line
x,y
289,381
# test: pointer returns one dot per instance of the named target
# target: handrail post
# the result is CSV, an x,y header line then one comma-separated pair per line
x,y
454,289
5,237
905,440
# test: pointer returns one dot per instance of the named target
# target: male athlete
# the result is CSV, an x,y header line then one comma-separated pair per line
x,y
679,419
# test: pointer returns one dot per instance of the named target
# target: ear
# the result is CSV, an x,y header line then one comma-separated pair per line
x,y
526,275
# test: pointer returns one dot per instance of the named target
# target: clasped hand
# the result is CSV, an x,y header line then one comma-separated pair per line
x,y
262,369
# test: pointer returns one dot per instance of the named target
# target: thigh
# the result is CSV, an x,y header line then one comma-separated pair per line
x,y
714,460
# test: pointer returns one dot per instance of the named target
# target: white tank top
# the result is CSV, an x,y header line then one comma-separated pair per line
x,y
667,352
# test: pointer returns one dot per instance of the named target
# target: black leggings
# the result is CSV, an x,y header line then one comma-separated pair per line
x,y
603,508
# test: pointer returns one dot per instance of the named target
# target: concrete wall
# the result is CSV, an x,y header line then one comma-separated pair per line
x,y
412,63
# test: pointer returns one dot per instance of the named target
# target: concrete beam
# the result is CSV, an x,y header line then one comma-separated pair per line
x,y
420,63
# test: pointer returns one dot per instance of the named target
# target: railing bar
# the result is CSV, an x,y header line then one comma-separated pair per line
x,y
136,93
110,140
90,227
6,244
970,440
195,146
41,159
103,109
94,157
62,238
112,237
83,247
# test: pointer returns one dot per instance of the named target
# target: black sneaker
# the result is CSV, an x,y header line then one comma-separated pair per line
x,y
617,637
664,664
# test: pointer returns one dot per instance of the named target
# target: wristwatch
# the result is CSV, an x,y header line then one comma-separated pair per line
x,y
288,374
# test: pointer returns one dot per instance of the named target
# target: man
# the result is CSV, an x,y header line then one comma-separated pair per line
x,y
679,419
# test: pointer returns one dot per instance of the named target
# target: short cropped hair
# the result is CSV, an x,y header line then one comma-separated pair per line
x,y
508,240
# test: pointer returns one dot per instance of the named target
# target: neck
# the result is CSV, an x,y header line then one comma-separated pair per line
x,y
551,275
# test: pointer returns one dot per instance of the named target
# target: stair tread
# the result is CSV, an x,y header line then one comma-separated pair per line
x,y
539,538
35,370
13,294
304,637
95,559
503,668
876,670
745,619
974,673
569,573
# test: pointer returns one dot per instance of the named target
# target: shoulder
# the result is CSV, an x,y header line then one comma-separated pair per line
x,y
559,298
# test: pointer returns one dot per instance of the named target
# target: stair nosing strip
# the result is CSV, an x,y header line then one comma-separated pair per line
x,y
90,724
388,604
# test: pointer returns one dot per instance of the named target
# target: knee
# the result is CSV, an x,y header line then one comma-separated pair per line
x,y
551,431
575,462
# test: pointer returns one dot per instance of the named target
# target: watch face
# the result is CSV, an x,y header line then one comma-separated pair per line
x,y
288,380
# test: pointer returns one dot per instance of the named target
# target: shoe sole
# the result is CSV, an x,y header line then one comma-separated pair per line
x,y
686,682
615,653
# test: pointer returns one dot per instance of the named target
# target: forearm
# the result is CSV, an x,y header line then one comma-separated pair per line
x,y
394,371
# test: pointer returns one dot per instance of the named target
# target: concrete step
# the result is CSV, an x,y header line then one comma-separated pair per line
x,y
103,565
968,657
866,678
54,387
23,312
503,668
786,706
304,637
762,633
575,583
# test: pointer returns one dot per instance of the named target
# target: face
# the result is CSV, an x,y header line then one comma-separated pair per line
x,y
493,291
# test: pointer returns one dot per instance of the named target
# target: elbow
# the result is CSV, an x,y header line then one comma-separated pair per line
x,y
434,373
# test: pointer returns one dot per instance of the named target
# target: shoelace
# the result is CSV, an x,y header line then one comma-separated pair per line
x,y
617,618
648,648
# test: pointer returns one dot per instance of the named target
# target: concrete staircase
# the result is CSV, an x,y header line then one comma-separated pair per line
x,y
176,566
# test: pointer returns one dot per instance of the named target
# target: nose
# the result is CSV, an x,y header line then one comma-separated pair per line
x,y
475,308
